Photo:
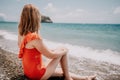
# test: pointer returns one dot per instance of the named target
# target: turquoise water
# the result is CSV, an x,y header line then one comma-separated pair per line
x,y
94,41
98,36
102,36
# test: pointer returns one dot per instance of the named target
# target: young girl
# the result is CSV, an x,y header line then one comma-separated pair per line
x,y
32,48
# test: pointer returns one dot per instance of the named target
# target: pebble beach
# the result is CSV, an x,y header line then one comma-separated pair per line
x,y
11,68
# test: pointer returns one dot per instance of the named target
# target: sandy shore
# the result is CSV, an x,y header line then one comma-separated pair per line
x,y
10,68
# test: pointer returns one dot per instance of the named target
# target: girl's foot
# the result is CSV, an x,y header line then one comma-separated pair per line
x,y
91,77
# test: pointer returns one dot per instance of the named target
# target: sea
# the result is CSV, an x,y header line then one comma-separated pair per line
x,y
99,42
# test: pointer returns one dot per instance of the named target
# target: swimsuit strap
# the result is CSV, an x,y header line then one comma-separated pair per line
x,y
29,37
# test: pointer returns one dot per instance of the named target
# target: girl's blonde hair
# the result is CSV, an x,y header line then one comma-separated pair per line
x,y
30,20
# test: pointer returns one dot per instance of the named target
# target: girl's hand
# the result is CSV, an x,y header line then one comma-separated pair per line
x,y
62,48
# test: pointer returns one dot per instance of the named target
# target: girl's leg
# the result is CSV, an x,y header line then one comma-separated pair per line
x,y
64,66
65,71
50,69
59,72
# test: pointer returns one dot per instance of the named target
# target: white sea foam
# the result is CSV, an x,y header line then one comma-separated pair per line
x,y
8,35
75,50
88,52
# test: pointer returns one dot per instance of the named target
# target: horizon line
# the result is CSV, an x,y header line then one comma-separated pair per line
x,y
61,22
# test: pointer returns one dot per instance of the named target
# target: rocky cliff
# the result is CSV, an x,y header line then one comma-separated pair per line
x,y
46,19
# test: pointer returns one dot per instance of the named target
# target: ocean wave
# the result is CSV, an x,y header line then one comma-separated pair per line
x,y
106,55
8,35
88,52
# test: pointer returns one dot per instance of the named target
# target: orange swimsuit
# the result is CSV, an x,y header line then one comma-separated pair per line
x,y
31,59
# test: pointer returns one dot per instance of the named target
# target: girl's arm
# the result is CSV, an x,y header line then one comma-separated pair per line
x,y
39,45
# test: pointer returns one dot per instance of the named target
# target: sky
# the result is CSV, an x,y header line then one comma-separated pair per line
x,y
66,11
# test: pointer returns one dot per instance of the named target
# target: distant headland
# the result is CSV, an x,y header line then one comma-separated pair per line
x,y
46,19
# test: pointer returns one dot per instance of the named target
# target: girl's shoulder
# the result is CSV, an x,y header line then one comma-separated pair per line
x,y
32,36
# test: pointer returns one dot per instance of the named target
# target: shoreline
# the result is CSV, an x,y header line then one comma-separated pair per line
x,y
10,67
